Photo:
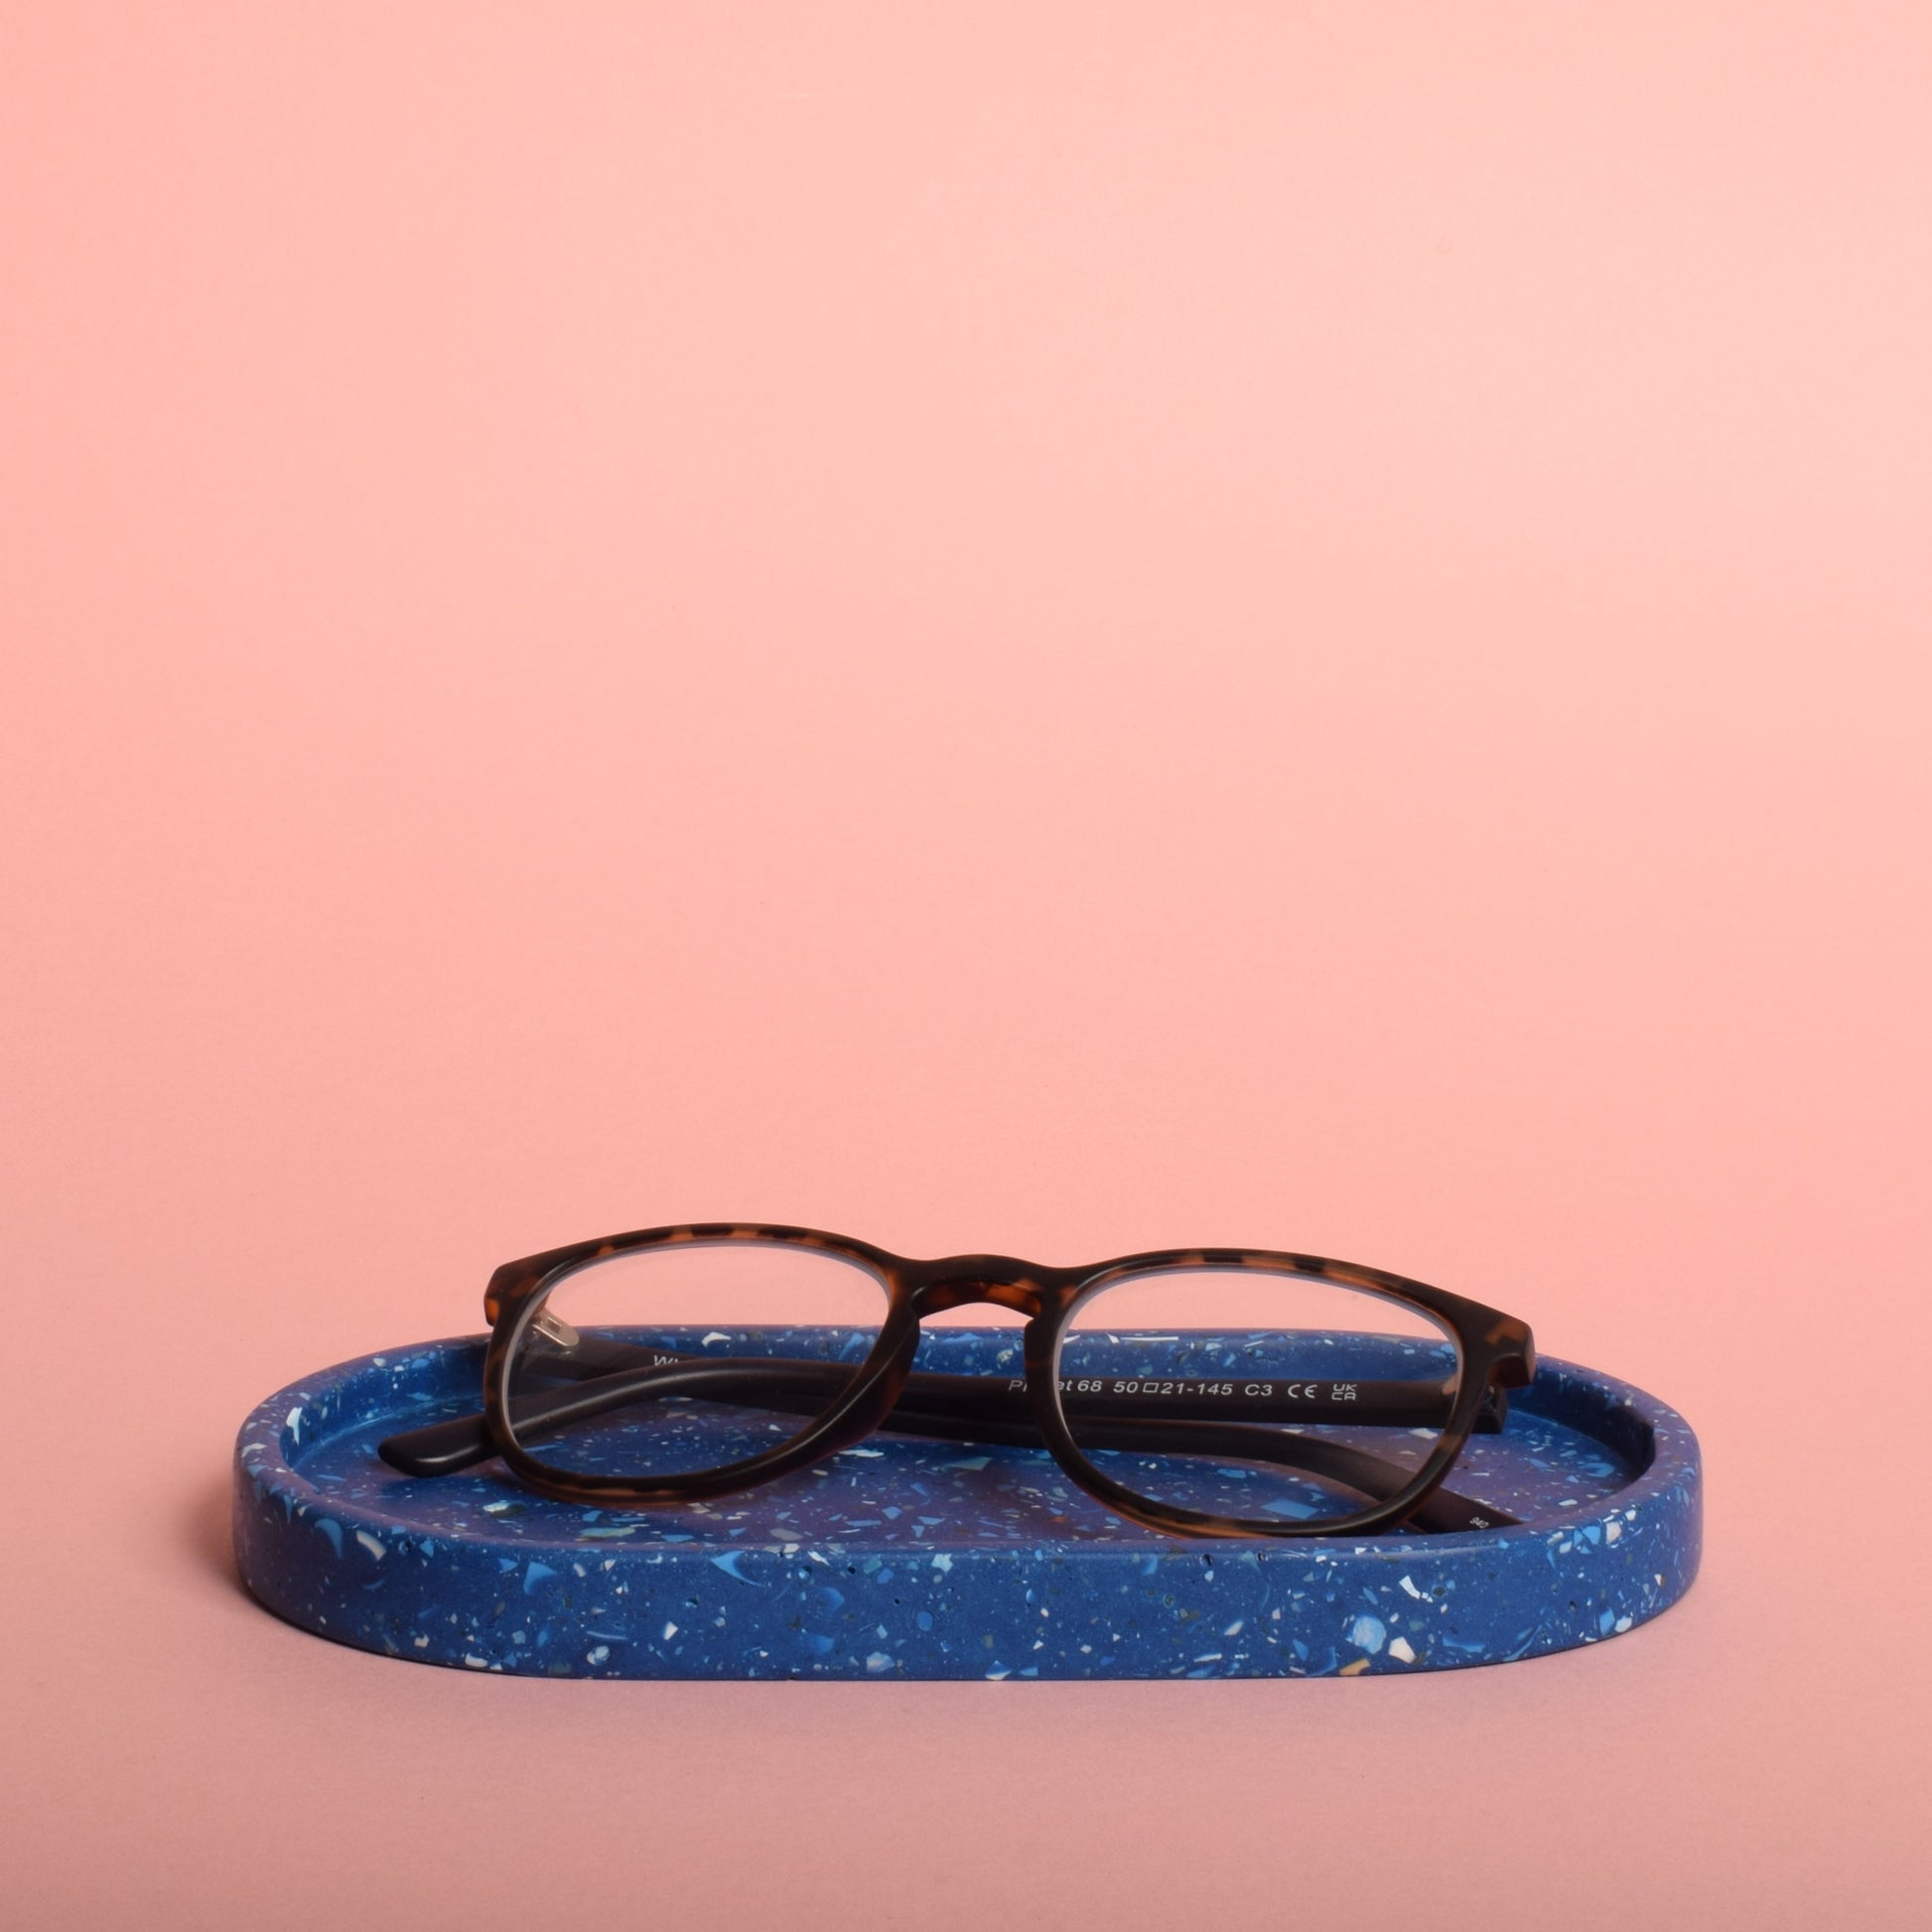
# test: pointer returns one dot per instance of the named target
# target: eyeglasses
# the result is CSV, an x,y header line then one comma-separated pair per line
x,y
1198,1391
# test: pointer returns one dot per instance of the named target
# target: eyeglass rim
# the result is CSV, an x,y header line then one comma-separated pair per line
x,y
1495,1350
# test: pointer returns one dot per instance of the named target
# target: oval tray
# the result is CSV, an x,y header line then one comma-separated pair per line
x,y
910,1558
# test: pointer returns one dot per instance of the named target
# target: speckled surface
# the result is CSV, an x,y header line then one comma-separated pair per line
x,y
925,1559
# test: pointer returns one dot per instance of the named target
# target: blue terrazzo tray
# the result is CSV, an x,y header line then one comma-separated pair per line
x,y
915,1558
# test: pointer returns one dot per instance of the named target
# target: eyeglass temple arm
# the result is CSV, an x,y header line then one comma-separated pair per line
x,y
957,1407
624,1371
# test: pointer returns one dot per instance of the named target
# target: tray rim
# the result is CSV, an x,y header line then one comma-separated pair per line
x,y
1675,1459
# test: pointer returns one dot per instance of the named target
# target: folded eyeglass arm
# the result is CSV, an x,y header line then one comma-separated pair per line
x,y
1174,1416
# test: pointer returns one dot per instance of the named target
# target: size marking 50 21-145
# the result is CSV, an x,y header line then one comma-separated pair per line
x,y
1113,1385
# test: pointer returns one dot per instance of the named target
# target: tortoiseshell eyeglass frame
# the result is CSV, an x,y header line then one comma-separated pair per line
x,y
1496,1352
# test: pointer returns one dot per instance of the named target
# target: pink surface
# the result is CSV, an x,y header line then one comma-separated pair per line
x,y
1051,627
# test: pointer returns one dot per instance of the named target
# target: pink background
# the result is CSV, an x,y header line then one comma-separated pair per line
x,y
1058,628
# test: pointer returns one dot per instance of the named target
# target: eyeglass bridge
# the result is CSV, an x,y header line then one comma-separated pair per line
x,y
967,1280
